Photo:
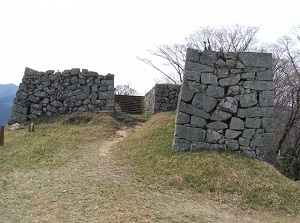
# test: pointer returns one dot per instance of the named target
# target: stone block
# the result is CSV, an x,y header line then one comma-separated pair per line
x,y
216,125
219,115
181,144
182,118
250,59
256,112
267,154
198,122
244,141
216,92
266,98
192,76
220,63
228,104
268,124
187,96
232,134
253,123
204,102
248,76
213,136
208,78
248,100
265,75
193,86
190,133
230,81
196,146
259,85
233,90
190,109
191,66
263,139
30,72
236,124
232,144
192,55
222,72
208,57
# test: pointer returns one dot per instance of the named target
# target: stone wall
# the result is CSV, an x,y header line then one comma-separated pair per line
x,y
48,93
227,101
162,97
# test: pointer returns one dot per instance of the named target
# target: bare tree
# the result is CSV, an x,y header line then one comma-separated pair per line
x,y
165,58
125,89
286,69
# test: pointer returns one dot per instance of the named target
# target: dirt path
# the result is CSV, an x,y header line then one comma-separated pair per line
x,y
97,187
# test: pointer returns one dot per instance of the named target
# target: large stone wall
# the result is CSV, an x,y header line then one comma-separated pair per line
x,y
48,93
227,101
162,97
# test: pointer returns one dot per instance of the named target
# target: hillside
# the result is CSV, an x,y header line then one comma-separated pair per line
x,y
93,168
7,95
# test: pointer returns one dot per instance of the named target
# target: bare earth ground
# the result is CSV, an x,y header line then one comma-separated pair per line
x,y
98,187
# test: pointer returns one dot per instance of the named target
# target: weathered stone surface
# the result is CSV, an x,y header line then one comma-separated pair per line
x,y
228,104
248,100
204,102
233,90
247,151
267,154
196,146
248,76
213,136
219,115
266,98
259,85
194,86
30,72
198,122
192,76
244,141
222,73
181,144
236,124
207,78
232,144
190,109
230,81
263,139
217,125
192,55
198,67
187,96
268,124
190,133
253,123
255,112
265,75
215,92
182,118
231,134
208,57
256,60
220,63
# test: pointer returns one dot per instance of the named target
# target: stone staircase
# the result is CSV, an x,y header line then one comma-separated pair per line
x,y
130,104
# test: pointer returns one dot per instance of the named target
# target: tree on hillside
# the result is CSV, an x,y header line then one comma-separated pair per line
x,y
125,89
172,57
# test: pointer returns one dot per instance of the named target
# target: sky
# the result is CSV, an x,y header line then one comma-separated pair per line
x,y
106,36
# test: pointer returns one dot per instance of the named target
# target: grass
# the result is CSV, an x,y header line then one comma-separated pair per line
x,y
54,142
223,176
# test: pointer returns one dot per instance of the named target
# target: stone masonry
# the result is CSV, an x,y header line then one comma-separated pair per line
x,y
226,101
48,93
162,97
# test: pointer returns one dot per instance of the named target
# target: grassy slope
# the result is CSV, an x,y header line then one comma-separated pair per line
x,y
223,176
54,142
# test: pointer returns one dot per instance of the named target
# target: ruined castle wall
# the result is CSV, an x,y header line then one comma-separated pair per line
x,y
162,97
49,93
227,101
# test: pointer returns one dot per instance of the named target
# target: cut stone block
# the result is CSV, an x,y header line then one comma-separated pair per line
x,y
236,124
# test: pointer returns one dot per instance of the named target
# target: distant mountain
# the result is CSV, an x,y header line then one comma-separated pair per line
x,y
8,89
7,95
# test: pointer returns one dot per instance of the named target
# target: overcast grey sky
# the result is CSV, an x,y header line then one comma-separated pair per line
x,y
106,35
